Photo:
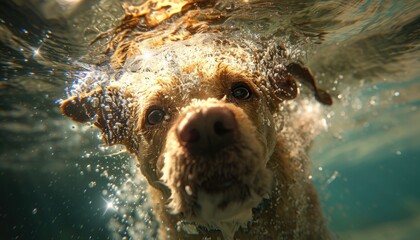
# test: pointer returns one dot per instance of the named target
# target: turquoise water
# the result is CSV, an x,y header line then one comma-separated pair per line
x,y
370,175
58,181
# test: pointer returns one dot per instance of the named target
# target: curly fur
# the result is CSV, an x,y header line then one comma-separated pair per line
x,y
257,187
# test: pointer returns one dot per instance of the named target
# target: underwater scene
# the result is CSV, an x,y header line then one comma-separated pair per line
x,y
58,180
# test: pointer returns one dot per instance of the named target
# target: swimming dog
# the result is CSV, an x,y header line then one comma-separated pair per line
x,y
198,102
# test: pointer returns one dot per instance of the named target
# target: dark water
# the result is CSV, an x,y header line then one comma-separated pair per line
x,y
57,181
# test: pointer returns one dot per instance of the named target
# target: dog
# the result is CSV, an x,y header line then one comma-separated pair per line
x,y
198,102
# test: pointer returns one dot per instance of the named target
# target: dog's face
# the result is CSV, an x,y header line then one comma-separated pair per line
x,y
200,122
205,130
209,148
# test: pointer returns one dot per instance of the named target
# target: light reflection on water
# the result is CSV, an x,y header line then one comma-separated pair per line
x,y
59,183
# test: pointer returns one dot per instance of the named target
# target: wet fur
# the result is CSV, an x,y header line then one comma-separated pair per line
x,y
273,197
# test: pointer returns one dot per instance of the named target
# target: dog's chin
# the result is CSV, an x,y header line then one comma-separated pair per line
x,y
230,199
217,189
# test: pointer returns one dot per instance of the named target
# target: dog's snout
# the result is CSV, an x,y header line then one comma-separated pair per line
x,y
207,130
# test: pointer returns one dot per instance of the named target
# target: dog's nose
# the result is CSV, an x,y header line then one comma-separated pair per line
x,y
207,130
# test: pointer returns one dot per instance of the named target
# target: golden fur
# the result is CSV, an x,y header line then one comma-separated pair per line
x,y
186,67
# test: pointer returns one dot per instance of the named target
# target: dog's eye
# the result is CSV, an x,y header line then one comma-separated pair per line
x,y
155,116
241,91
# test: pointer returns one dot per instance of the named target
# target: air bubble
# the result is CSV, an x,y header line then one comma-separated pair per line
x,y
104,174
332,178
95,102
188,190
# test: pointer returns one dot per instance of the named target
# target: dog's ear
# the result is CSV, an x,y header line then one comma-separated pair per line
x,y
281,83
106,107
303,73
283,86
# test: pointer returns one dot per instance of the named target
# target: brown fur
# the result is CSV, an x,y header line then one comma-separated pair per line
x,y
185,66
